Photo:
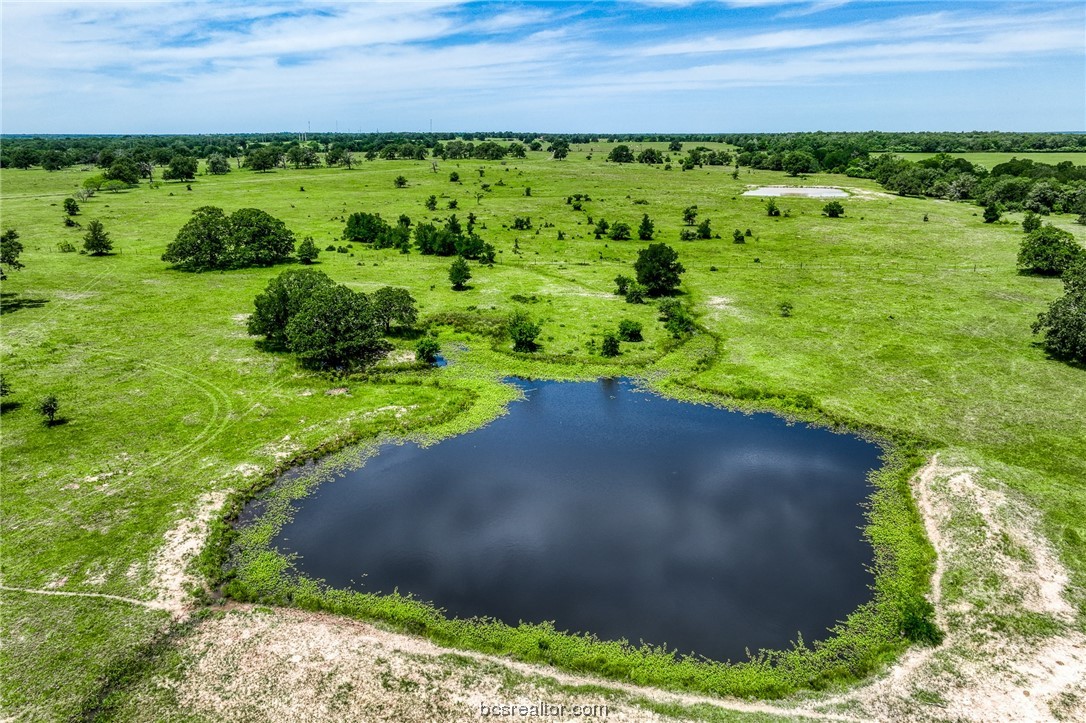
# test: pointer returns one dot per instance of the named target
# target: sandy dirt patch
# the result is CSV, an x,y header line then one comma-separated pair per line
x,y
983,672
181,544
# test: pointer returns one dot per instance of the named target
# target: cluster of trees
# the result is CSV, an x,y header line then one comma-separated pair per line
x,y
1015,185
370,228
620,230
212,240
453,239
328,325
1064,324
832,151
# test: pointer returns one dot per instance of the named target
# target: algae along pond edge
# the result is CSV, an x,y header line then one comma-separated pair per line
x,y
601,508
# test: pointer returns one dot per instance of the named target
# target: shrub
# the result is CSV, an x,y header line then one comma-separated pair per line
x,y
459,273
307,251
704,230
785,308
620,231
621,284
400,182
771,208
71,207
635,293
629,330
48,408
65,247
454,177
992,213
609,347
738,237
834,209
523,331
427,349
1031,222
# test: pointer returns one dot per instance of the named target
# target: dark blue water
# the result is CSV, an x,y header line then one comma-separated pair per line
x,y
611,511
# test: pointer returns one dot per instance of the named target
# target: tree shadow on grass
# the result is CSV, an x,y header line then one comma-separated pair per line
x,y
6,407
11,302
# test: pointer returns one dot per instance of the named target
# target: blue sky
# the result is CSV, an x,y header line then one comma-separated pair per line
x,y
662,66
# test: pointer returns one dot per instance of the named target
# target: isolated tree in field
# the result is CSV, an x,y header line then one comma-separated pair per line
x,y
459,273
690,215
1048,251
257,239
629,330
620,231
523,331
646,229
427,349
658,269
48,408
202,243
71,207
454,177
559,149
704,229
10,248
394,305
307,251
621,154
181,168
431,203
1064,324
771,208
834,209
96,240
400,182
992,213
281,299
217,165
675,146
336,329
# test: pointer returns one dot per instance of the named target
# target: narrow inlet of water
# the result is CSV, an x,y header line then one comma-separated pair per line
x,y
612,511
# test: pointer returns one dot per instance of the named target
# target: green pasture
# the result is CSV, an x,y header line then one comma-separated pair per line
x,y
914,329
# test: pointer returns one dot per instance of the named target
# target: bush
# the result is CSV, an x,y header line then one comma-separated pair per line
x,y
71,207
427,349
785,308
738,237
609,347
400,182
65,247
704,230
1031,222
622,283
771,208
1048,251
992,213
48,408
620,231
459,273
523,331
834,209
635,293
307,251
629,330
454,177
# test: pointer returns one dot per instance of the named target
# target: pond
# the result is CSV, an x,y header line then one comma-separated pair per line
x,y
610,510
797,191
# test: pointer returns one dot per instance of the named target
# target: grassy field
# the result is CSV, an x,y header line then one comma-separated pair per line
x,y
916,329
990,160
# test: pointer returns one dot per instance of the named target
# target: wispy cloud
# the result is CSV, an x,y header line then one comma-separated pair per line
x,y
167,66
